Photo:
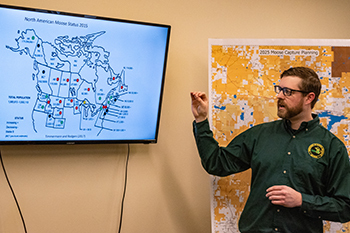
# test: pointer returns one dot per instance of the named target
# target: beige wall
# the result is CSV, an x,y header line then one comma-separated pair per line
x,y
70,189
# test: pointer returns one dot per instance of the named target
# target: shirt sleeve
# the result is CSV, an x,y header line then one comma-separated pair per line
x,y
220,161
335,205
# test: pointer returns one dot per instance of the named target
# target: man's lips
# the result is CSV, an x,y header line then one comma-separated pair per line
x,y
280,105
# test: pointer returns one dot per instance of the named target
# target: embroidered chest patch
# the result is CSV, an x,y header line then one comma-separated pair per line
x,y
316,150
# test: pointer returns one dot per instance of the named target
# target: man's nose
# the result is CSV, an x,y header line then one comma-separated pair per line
x,y
280,95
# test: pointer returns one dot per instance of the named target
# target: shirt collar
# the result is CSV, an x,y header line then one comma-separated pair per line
x,y
306,125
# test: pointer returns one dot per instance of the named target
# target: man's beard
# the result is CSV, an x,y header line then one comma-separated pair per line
x,y
288,113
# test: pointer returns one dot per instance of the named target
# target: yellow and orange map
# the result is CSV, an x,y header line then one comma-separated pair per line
x,y
242,74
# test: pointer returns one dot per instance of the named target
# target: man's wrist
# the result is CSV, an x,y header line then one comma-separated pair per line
x,y
200,119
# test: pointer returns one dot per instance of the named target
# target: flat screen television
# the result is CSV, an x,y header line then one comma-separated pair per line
x,y
69,78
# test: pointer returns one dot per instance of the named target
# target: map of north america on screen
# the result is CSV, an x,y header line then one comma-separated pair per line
x,y
73,79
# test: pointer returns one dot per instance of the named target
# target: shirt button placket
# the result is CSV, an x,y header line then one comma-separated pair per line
x,y
285,171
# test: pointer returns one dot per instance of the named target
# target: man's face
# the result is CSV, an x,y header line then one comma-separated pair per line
x,y
289,107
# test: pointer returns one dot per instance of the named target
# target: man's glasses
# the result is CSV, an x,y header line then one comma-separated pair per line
x,y
286,91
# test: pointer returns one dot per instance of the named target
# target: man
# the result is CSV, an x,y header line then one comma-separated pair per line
x,y
300,170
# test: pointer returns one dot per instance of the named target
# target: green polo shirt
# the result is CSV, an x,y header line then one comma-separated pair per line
x,y
310,160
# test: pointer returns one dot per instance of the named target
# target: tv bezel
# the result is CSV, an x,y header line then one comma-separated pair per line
x,y
103,141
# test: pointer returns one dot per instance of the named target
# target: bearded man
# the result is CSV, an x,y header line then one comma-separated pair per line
x,y
300,170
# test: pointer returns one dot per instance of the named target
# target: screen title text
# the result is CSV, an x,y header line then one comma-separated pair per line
x,y
56,22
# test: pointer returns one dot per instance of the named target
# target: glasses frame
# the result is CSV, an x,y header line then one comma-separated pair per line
x,y
287,91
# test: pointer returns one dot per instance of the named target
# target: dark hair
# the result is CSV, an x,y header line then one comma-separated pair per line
x,y
310,80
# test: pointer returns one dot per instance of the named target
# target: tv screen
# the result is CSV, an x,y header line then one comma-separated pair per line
x,y
70,78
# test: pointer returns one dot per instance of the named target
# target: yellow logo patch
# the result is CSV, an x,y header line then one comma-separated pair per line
x,y
316,150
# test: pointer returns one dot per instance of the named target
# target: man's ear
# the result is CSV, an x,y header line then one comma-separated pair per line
x,y
310,97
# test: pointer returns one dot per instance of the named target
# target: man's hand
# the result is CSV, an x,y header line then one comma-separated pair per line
x,y
284,196
200,106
